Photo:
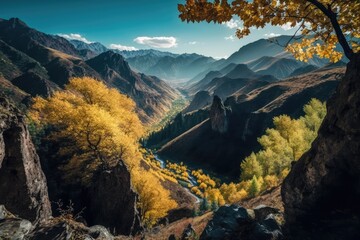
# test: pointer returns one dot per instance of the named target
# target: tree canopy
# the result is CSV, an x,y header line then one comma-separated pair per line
x,y
285,143
321,23
100,121
97,127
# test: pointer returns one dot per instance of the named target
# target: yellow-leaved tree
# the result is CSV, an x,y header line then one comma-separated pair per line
x,y
101,123
100,128
283,144
321,23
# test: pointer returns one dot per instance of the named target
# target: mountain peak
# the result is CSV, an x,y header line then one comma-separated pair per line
x,y
17,23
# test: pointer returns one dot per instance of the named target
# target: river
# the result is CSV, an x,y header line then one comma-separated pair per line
x,y
191,179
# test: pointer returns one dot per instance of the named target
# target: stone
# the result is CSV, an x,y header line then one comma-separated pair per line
x,y
321,194
23,186
235,222
111,201
262,211
218,116
14,228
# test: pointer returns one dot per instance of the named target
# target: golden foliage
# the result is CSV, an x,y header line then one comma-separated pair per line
x,y
322,23
105,129
100,121
281,145
155,200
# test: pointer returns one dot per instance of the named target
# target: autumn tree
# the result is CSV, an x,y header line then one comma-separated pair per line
x,y
321,23
101,128
155,200
100,123
283,144
254,188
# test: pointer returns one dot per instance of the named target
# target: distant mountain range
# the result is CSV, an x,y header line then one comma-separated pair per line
x,y
36,63
249,113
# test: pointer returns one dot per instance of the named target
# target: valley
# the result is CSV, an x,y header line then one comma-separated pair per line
x,y
151,135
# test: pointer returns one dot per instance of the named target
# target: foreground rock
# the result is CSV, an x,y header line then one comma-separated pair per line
x,y
23,187
61,228
111,202
236,222
322,192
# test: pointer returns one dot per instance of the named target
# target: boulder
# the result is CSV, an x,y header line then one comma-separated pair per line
x,y
262,211
236,222
188,233
23,187
60,229
111,201
321,194
218,116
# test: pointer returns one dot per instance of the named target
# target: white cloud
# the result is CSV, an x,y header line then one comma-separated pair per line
x,y
271,35
122,48
287,26
74,36
230,38
218,58
232,24
193,43
157,42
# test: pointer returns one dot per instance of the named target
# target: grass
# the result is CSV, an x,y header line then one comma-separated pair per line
x,y
177,106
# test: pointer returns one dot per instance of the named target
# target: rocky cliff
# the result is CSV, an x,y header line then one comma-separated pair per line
x,y
111,202
322,192
251,114
219,116
23,187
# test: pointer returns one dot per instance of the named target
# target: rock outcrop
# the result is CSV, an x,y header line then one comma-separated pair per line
x,y
23,187
12,227
236,222
111,202
218,116
200,100
322,192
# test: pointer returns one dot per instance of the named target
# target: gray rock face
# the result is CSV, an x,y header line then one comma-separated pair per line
x,y
236,222
13,228
322,192
218,116
111,202
69,230
23,187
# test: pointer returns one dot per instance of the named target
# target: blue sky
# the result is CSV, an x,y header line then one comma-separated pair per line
x,y
132,24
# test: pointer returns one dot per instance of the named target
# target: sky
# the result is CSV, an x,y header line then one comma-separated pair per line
x,y
133,24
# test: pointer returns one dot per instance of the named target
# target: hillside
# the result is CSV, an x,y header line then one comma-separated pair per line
x,y
170,66
278,67
39,64
250,115
153,96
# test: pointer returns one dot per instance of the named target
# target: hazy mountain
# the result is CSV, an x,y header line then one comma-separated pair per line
x,y
38,64
258,49
152,95
200,100
241,71
229,80
303,70
170,67
278,67
17,34
138,53
95,47
248,118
